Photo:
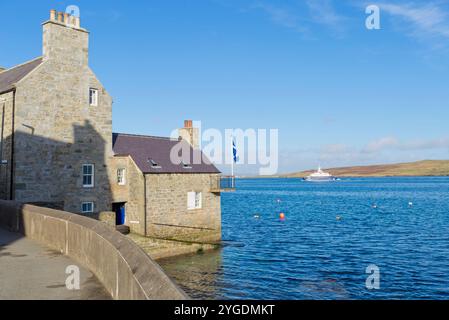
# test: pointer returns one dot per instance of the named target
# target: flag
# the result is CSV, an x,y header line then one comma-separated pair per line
x,y
234,151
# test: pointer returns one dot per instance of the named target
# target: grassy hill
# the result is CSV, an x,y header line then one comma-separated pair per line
x,y
421,168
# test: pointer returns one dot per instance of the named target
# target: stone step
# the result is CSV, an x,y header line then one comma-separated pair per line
x,y
123,229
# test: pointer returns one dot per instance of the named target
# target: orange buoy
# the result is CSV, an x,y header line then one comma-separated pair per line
x,y
282,216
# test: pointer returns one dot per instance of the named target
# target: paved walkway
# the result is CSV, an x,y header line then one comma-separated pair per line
x,y
31,271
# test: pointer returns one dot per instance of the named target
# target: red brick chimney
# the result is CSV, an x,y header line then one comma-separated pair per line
x,y
190,134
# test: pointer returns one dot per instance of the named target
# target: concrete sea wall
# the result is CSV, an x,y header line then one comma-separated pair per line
x,y
124,269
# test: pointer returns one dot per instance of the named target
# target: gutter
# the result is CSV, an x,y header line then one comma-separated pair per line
x,y
145,204
11,190
3,129
8,90
11,186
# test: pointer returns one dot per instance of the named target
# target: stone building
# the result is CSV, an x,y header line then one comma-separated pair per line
x,y
57,148
163,199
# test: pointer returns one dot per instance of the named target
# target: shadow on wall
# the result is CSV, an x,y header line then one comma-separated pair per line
x,y
10,221
49,171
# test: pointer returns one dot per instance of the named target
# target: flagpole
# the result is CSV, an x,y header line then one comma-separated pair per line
x,y
234,160
233,156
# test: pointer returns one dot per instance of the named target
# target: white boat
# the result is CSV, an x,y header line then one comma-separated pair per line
x,y
320,176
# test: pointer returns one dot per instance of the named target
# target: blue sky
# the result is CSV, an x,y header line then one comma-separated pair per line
x,y
338,93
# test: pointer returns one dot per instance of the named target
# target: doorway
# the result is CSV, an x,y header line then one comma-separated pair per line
x,y
120,213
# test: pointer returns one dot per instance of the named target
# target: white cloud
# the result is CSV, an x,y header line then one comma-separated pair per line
x,y
427,20
380,151
392,143
281,16
297,15
381,144
442,143
335,148
323,12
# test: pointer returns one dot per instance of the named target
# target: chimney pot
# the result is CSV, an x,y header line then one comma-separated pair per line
x,y
66,18
77,22
60,16
188,123
53,15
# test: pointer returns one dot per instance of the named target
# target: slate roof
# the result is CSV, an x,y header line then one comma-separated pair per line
x,y
10,77
143,149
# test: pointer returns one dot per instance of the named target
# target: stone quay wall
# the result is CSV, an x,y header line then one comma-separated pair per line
x,y
124,269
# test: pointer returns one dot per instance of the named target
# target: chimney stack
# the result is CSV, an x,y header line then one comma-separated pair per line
x,y
190,134
64,40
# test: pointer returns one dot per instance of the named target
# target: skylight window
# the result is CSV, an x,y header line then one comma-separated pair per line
x,y
154,164
186,166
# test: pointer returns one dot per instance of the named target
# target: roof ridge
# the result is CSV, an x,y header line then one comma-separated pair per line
x,y
146,136
22,64
11,77
141,148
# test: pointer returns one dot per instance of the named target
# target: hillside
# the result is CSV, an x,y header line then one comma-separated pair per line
x,y
421,168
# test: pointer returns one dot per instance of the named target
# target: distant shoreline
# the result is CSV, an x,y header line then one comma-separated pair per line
x,y
397,176
425,168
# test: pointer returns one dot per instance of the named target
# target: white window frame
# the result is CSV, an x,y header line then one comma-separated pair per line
x,y
121,176
93,97
194,200
92,205
92,175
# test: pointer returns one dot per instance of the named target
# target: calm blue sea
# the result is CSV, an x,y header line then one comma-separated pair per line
x,y
312,255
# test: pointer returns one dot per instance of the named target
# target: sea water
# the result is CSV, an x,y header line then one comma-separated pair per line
x,y
331,234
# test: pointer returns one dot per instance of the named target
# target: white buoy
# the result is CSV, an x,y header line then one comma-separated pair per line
x,y
410,204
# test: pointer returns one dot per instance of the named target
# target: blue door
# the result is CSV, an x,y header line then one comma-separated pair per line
x,y
120,214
